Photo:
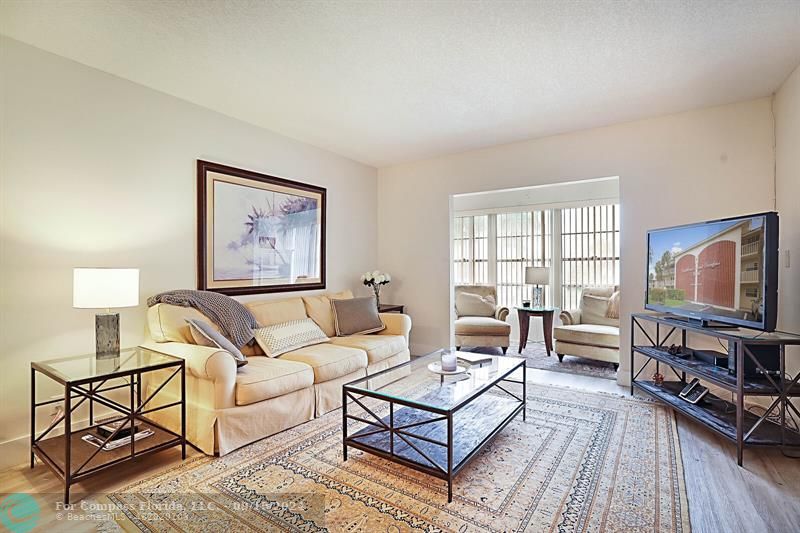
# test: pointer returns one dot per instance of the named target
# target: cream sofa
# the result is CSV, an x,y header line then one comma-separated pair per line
x,y
492,331
587,331
227,409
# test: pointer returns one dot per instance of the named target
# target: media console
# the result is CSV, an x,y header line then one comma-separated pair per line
x,y
727,418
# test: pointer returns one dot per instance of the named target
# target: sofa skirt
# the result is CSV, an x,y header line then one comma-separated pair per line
x,y
598,353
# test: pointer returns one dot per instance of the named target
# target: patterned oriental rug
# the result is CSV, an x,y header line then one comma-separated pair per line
x,y
535,355
581,462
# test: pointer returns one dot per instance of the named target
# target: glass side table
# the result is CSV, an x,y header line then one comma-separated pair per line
x,y
102,381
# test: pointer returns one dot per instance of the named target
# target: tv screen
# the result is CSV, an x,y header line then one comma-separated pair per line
x,y
722,270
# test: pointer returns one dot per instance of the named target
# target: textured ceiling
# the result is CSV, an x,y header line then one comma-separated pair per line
x,y
386,82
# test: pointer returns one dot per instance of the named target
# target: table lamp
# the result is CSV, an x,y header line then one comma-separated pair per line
x,y
105,288
537,276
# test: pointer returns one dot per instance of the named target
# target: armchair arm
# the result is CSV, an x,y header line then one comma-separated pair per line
x,y
396,324
204,363
501,313
570,317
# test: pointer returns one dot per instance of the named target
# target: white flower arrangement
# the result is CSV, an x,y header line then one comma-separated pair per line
x,y
376,279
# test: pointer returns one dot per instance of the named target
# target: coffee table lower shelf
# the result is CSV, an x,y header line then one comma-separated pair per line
x,y
436,444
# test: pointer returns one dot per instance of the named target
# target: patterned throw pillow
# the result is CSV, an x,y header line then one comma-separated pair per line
x,y
204,334
281,338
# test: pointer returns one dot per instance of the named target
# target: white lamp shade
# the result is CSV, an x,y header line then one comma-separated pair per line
x,y
103,288
537,275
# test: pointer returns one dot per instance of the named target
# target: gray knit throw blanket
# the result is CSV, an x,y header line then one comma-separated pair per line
x,y
233,319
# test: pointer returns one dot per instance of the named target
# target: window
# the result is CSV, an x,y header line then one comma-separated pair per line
x,y
581,244
514,244
470,250
523,239
589,250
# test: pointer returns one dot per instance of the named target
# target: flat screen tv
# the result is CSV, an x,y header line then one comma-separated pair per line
x,y
723,271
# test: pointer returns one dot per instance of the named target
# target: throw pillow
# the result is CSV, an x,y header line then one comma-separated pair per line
x,y
318,308
471,304
204,334
278,339
613,305
356,316
594,309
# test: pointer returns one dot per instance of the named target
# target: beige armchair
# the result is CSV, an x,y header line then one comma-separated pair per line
x,y
592,330
479,320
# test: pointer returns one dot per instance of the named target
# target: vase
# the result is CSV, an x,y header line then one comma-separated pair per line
x,y
377,290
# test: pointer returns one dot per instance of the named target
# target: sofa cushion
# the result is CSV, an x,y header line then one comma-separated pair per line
x,y
281,338
589,334
329,361
356,316
318,308
481,325
378,347
471,304
269,312
266,378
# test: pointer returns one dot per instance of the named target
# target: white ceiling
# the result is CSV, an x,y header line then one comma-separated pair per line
x,y
386,82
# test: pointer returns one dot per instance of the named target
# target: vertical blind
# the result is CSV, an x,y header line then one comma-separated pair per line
x,y
589,251
471,249
523,239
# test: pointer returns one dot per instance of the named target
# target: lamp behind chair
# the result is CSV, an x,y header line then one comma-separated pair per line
x,y
537,276
104,288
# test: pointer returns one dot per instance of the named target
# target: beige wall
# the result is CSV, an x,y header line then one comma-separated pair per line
x,y
787,137
100,171
674,169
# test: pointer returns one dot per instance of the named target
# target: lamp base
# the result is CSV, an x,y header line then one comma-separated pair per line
x,y
106,335
537,297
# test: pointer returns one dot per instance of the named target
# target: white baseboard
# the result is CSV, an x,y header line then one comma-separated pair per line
x,y
14,452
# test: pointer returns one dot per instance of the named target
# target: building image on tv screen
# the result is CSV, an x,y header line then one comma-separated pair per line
x,y
714,268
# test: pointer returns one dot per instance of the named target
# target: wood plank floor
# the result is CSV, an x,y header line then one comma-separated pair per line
x,y
763,496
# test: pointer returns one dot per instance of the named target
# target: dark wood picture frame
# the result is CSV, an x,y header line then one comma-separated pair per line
x,y
204,226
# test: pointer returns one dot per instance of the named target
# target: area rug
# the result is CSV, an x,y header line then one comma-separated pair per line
x,y
581,462
535,355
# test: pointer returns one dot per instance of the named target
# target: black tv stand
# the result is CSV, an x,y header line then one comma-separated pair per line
x,y
652,334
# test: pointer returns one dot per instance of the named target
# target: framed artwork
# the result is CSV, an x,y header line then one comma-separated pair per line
x,y
258,233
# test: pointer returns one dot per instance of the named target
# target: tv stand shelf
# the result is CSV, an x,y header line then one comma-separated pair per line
x,y
711,373
729,419
717,414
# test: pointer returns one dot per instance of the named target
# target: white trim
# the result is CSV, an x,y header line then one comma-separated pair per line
x,y
529,187
15,452
491,250
538,207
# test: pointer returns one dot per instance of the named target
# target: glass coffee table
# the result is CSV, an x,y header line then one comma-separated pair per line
x,y
433,426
